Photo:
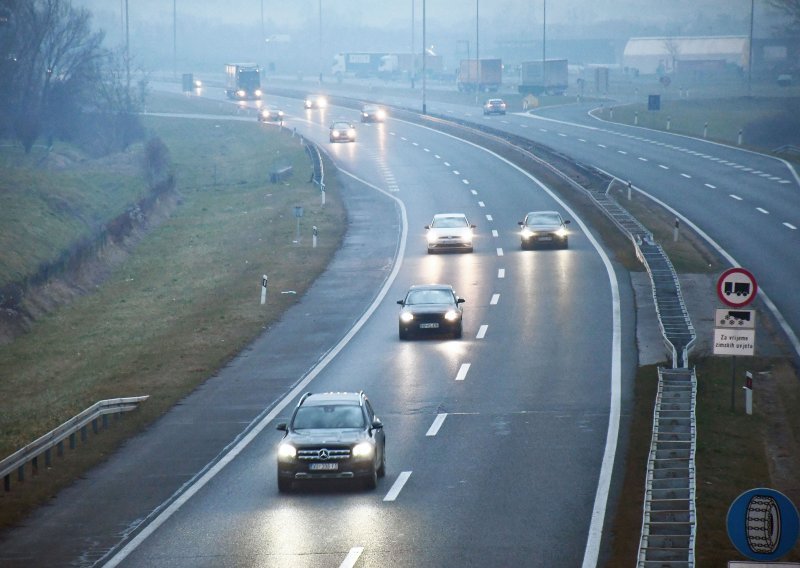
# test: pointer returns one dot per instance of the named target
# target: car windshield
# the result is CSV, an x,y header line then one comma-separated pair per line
x,y
340,125
429,297
328,416
543,219
449,222
369,108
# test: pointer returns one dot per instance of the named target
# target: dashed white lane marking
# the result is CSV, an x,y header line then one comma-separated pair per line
x,y
542,130
482,331
462,371
623,152
562,134
602,145
473,192
501,272
398,486
481,204
489,218
437,156
581,140
784,181
494,300
437,423
710,186
495,234
447,164
687,176
523,126
352,557
736,197
756,172
426,149
415,143
458,173
663,167
404,139
499,251
465,181
762,210
643,159
790,226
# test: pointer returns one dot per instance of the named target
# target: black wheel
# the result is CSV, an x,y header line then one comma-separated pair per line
x,y
382,468
403,334
469,249
565,244
459,331
371,480
284,484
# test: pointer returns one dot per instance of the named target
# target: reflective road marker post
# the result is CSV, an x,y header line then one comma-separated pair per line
x,y
314,233
263,289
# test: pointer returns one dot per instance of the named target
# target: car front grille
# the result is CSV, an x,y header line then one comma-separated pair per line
x,y
318,454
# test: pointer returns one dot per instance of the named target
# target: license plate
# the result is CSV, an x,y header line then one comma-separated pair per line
x,y
428,325
330,466
545,238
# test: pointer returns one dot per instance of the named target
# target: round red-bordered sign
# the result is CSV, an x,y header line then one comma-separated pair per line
x,y
737,287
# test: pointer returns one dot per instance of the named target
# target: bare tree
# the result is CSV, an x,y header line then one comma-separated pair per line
x,y
673,47
792,9
54,57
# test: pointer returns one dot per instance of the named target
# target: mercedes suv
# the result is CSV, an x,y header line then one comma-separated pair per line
x,y
333,435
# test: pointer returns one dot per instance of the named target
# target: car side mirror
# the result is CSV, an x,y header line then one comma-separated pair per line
x,y
519,223
460,301
401,302
377,424
566,221
427,226
473,227
282,427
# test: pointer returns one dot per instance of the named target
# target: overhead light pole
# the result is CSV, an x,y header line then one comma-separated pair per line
x,y
477,49
319,55
544,45
174,38
750,55
424,60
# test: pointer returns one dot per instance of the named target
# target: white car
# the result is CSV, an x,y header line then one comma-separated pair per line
x,y
449,231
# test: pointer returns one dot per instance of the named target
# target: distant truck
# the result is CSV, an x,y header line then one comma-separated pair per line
x,y
357,64
483,75
398,65
243,81
536,78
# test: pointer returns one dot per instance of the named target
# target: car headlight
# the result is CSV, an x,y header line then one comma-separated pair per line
x,y
280,113
240,93
322,103
265,113
527,233
381,114
257,92
561,233
198,83
335,133
286,452
431,236
362,450
451,315
406,316
351,133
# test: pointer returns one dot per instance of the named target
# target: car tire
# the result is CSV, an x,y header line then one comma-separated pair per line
x,y
371,480
459,331
565,244
470,249
402,334
284,484
382,467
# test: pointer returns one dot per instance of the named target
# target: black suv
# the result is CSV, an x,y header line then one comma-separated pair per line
x,y
332,435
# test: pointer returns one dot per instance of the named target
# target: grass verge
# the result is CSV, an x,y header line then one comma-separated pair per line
x,y
183,303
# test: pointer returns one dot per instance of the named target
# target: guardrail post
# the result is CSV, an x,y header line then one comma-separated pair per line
x,y
60,449
7,483
105,420
21,473
72,441
48,460
35,465
95,429
84,434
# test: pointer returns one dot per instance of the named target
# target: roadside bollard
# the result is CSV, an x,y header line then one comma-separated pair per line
x,y
676,229
629,190
263,289
314,233
636,118
705,130
669,122
740,137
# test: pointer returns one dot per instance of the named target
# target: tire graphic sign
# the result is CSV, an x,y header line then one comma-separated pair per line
x,y
736,287
763,524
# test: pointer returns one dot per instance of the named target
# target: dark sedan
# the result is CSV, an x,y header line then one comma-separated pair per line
x,y
342,132
544,228
430,308
372,113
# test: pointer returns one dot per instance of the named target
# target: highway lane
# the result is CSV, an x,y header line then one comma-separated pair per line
x,y
499,437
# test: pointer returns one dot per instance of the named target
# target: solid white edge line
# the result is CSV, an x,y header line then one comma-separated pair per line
x,y
184,494
462,371
437,424
482,331
352,557
397,486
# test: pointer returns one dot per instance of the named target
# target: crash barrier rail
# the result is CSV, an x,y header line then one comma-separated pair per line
x,y
96,415
318,173
669,519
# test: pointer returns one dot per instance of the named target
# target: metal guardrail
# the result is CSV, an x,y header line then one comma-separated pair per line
x,y
318,173
669,519
69,430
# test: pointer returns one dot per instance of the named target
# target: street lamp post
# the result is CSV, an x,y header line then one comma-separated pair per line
x,y
320,42
424,59
477,49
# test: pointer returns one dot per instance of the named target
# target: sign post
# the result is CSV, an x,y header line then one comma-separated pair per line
x,y
734,331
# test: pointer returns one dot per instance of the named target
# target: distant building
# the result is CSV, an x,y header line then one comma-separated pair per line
x,y
660,55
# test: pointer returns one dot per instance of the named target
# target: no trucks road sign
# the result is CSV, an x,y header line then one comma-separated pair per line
x,y
736,287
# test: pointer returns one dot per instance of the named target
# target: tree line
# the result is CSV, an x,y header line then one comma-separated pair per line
x,y
57,81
